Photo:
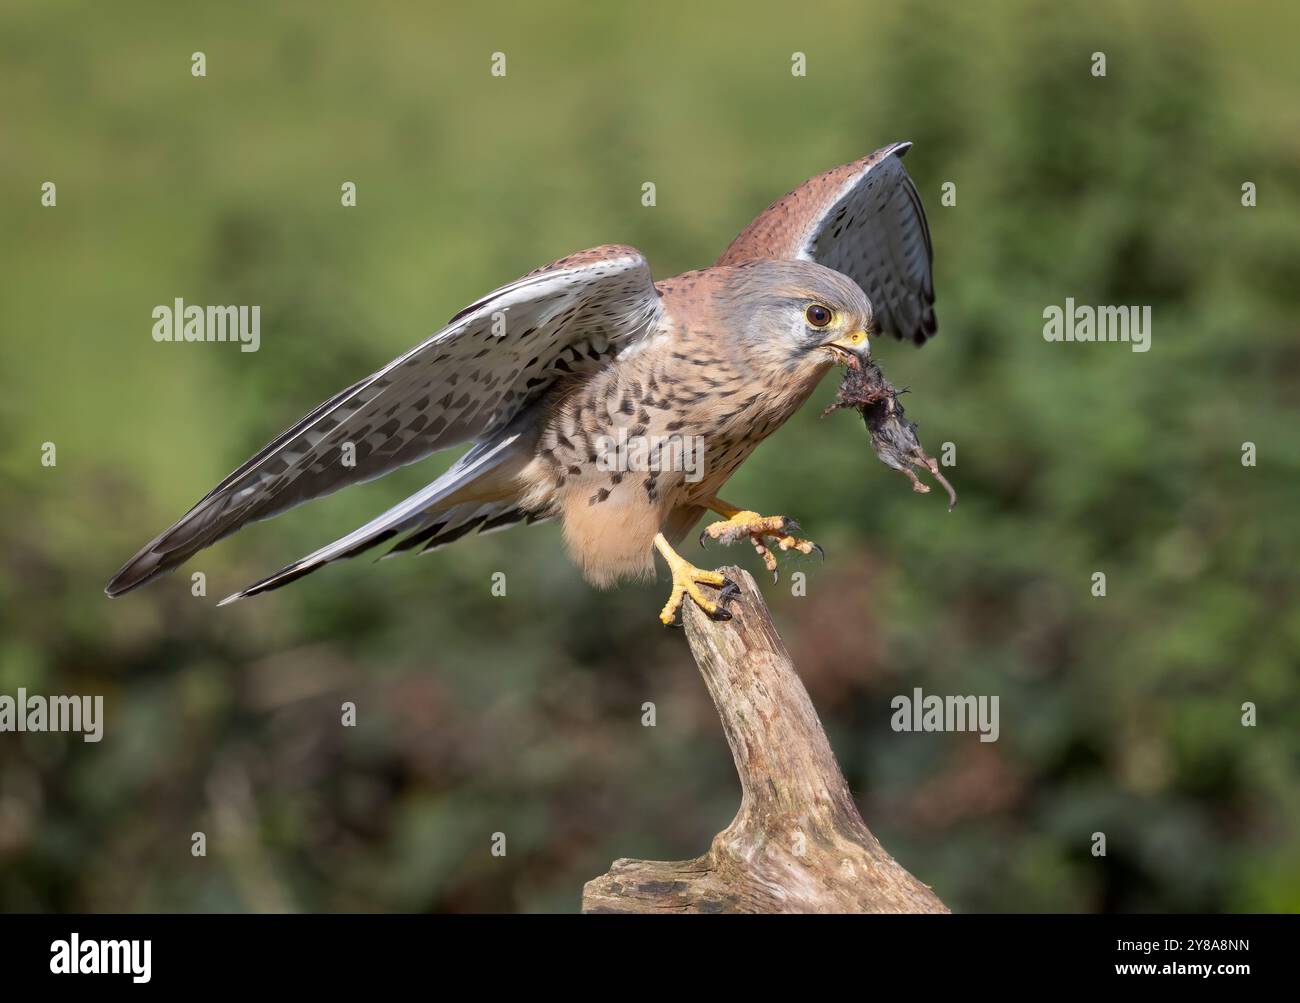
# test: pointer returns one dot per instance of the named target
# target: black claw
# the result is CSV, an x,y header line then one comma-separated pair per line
x,y
704,535
792,526
776,575
820,553
722,614
730,590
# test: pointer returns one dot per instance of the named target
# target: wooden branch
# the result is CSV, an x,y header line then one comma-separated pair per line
x,y
798,843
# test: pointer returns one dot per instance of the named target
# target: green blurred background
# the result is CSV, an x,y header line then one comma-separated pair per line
x,y
522,714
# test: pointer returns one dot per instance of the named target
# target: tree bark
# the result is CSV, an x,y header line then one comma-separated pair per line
x,y
797,843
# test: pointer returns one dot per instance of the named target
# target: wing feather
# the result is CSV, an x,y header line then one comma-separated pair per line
x,y
411,515
864,219
468,381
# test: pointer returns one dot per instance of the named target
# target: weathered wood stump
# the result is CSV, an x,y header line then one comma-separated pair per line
x,y
798,843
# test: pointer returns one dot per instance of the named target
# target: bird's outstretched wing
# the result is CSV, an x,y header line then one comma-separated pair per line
x,y
863,219
467,381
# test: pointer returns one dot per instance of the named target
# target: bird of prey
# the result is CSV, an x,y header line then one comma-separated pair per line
x,y
557,377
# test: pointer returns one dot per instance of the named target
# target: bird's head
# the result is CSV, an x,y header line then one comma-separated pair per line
x,y
802,315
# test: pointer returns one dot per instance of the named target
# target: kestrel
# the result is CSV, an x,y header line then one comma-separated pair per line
x,y
585,386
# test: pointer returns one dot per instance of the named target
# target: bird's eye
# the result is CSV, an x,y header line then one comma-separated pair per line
x,y
818,315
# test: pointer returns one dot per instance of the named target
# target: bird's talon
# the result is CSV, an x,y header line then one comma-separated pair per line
x,y
758,528
687,579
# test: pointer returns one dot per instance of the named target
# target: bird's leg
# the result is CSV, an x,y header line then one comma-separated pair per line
x,y
741,524
687,579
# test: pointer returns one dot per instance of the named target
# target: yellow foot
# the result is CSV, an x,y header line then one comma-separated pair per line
x,y
757,529
687,579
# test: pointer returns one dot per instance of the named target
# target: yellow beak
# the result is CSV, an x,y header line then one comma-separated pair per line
x,y
853,344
